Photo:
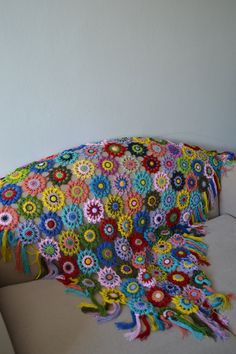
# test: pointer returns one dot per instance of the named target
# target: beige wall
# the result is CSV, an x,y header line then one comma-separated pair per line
x,y
73,71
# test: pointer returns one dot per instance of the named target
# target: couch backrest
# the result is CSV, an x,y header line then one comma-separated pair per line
x,y
228,193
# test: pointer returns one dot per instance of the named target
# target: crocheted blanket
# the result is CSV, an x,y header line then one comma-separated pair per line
x,y
120,222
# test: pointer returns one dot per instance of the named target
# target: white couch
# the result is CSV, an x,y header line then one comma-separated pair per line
x,y
41,319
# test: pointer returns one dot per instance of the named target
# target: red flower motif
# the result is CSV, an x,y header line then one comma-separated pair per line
x,y
158,297
68,267
151,164
172,217
137,242
114,149
108,229
178,278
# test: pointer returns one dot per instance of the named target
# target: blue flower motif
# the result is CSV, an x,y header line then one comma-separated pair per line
x,y
167,262
28,232
150,236
197,167
100,186
72,216
168,199
180,253
42,166
50,224
106,254
140,306
87,262
66,157
141,221
131,288
170,288
142,182
10,194
195,200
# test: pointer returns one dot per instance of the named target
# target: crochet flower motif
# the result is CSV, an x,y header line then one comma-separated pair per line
x,y
28,232
83,169
168,199
125,225
172,217
72,216
142,182
131,288
68,266
137,242
10,194
53,198
191,182
157,218
146,279
50,224
158,297
87,262
42,166
177,181
121,183
140,306
114,149
150,236
194,294
197,167
17,176
152,200
106,254
168,164
151,164
183,198
108,278
91,151
156,149
108,166
49,249
133,203
77,191
60,175
129,164
137,149
184,305
141,221
178,278
93,210
89,235
139,260
167,263
174,150
100,186
108,229
66,158
30,207
112,295
123,249
34,184
161,181
162,247
69,243
114,206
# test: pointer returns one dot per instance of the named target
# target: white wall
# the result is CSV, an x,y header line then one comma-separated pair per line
x,y
74,71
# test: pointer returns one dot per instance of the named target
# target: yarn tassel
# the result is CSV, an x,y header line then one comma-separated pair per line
x,y
101,309
25,261
146,333
205,203
127,325
85,307
187,326
112,314
6,253
152,323
134,334
220,301
75,292
218,332
160,324
19,266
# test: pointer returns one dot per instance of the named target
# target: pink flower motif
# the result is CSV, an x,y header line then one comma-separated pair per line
x,y
146,279
108,165
93,210
161,181
177,240
34,184
49,249
108,278
8,218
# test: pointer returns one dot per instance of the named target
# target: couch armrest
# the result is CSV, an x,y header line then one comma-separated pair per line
x,y
228,193
6,345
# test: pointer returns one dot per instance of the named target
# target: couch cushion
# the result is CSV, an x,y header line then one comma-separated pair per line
x,y
6,346
42,319
228,193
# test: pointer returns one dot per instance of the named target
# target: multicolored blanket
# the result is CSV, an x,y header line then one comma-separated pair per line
x,y
120,222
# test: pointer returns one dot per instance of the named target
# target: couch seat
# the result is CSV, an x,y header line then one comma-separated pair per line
x,y
42,319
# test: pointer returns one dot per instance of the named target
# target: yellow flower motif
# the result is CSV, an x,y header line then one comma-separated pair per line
x,y
184,305
69,243
188,152
53,198
162,247
183,198
125,225
203,155
141,140
157,273
2,182
114,206
112,295
83,169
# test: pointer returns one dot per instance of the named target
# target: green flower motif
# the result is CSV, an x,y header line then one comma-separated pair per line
x,y
89,235
184,165
17,176
30,207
